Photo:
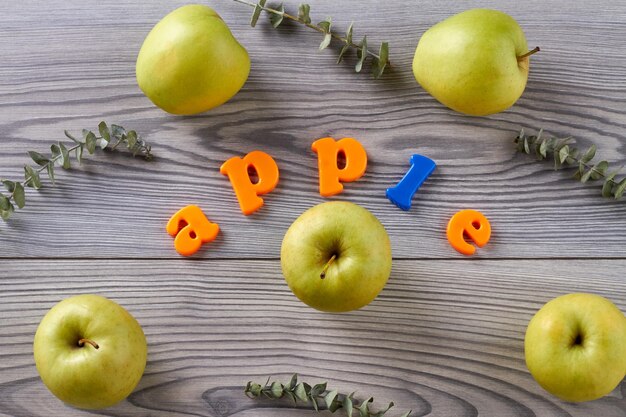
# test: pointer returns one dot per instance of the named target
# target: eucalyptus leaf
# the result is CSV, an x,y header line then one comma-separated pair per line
x,y
526,145
10,185
104,131
65,154
343,51
599,170
258,8
314,403
587,175
50,169
300,392
5,214
303,13
5,203
90,142
277,18
619,190
589,154
38,158
277,389
563,153
117,131
79,154
364,407
407,414
318,389
31,177
381,62
543,149
382,412
293,382
329,398
607,187
361,54
69,135
325,25
348,405
19,196
349,33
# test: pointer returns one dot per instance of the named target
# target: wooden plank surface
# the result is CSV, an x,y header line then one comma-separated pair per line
x,y
446,335
444,338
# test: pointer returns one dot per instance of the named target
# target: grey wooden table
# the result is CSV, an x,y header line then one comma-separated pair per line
x,y
444,338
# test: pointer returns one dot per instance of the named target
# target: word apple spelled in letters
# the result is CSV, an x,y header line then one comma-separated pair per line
x,y
191,228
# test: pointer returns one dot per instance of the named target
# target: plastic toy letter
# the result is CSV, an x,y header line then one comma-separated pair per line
x,y
402,194
471,223
196,230
331,176
247,192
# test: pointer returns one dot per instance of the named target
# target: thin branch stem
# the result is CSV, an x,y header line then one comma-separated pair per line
x,y
312,26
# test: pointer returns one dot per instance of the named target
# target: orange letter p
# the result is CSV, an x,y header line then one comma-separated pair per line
x,y
331,175
246,191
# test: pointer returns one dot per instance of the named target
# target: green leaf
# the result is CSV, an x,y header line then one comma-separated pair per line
x,y
293,382
90,142
407,414
277,18
104,131
5,214
526,145
330,399
607,187
19,196
65,155
563,153
277,389
69,135
557,161
50,169
599,170
349,32
381,413
79,154
343,51
586,176
38,158
325,25
543,149
131,139
318,389
303,13
326,41
300,392
361,54
258,8
364,407
31,177
619,190
117,131
348,404
589,154
314,403
383,54
5,203
9,184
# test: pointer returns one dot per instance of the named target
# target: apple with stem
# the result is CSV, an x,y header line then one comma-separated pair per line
x,y
336,257
475,62
575,347
89,351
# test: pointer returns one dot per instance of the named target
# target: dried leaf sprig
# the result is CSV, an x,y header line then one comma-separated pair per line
x,y
564,154
109,137
277,15
318,396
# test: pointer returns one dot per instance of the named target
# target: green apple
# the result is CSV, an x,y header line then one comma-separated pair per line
x,y
475,62
575,347
89,351
336,257
190,62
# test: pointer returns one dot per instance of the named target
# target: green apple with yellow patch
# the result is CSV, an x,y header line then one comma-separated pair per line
x,y
575,347
190,62
475,62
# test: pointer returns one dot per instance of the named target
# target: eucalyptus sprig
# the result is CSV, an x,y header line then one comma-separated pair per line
x,y
318,396
564,154
109,138
277,15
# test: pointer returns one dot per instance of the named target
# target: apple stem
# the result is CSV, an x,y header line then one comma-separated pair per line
x,y
529,53
82,342
330,261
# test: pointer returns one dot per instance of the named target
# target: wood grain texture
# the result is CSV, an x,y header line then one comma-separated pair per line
x,y
444,338
75,66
